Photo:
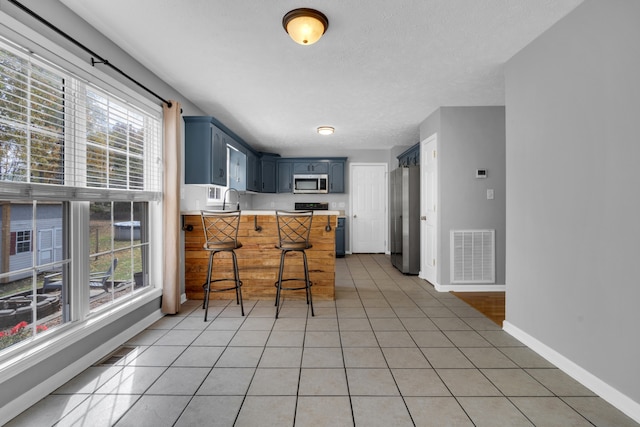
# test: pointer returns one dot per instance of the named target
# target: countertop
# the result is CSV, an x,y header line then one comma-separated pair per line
x,y
266,212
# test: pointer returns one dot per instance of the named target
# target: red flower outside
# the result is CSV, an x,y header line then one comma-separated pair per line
x,y
19,332
19,326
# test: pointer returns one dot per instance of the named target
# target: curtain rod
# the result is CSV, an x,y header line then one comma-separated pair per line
x,y
94,55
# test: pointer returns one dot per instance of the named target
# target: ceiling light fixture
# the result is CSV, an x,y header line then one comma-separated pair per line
x,y
325,130
305,26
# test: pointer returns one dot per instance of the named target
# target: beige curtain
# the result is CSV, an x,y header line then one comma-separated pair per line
x,y
171,203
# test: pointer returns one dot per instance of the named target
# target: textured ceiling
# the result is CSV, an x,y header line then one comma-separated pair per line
x,y
380,70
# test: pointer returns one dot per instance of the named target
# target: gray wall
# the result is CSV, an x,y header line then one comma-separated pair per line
x,y
469,138
573,104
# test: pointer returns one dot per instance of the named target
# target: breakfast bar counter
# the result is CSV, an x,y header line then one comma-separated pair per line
x,y
259,260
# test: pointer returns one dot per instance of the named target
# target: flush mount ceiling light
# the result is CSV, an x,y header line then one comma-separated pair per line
x,y
325,130
305,26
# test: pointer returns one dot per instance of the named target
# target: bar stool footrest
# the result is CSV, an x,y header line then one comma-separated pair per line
x,y
293,289
224,289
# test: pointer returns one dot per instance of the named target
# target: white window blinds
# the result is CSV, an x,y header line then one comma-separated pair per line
x,y
62,138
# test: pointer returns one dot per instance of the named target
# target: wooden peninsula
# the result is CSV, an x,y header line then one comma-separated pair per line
x,y
259,260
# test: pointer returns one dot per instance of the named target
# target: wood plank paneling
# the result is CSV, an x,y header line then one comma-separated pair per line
x,y
259,260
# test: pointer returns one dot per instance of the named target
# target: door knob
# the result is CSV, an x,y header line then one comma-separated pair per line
x,y
355,216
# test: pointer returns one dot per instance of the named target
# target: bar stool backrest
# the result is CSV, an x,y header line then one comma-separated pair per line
x,y
294,229
220,229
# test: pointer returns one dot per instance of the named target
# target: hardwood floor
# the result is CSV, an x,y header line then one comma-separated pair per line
x,y
491,304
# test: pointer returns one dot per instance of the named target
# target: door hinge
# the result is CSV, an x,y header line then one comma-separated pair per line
x,y
434,262
434,154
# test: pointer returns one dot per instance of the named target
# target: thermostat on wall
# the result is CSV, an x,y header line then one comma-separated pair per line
x,y
481,173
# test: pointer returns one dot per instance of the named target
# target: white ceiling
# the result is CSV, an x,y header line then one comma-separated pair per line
x,y
381,68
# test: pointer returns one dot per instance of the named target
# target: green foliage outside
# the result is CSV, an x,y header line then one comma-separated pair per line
x,y
100,242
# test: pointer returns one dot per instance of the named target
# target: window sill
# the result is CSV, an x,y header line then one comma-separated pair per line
x,y
31,354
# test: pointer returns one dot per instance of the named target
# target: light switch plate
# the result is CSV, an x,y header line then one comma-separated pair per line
x,y
490,194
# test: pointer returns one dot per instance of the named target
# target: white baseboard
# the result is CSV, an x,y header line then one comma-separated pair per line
x,y
183,298
433,284
470,288
26,400
584,377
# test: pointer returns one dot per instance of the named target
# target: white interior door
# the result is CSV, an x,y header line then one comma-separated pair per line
x,y
429,209
369,216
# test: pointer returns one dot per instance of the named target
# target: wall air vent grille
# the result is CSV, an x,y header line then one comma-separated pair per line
x,y
472,256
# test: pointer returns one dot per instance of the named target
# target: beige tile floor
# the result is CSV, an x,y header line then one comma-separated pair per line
x,y
390,351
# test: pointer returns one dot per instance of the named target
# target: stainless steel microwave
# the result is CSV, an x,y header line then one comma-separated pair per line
x,y
317,183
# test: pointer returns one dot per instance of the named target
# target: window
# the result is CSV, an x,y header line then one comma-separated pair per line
x,y
23,241
119,247
75,160
31,121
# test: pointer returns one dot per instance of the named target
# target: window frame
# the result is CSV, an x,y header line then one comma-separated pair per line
x,y
78,210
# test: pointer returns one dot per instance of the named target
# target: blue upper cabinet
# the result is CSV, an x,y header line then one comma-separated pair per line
x,y
206,162
205,152
331,166
253,172
237,170
410,157
285,176
268,172
336,176
310,167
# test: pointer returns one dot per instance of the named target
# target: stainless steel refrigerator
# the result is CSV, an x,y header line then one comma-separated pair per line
x,y
404,184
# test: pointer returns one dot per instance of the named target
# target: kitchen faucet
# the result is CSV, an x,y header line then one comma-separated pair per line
x,y
224,198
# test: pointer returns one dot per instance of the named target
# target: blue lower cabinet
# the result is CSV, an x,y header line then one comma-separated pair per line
x,y
340,237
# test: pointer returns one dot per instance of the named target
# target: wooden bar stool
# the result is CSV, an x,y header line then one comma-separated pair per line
x,y
294,229
221,235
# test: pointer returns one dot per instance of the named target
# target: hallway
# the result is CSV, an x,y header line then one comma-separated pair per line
x,y
390,351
